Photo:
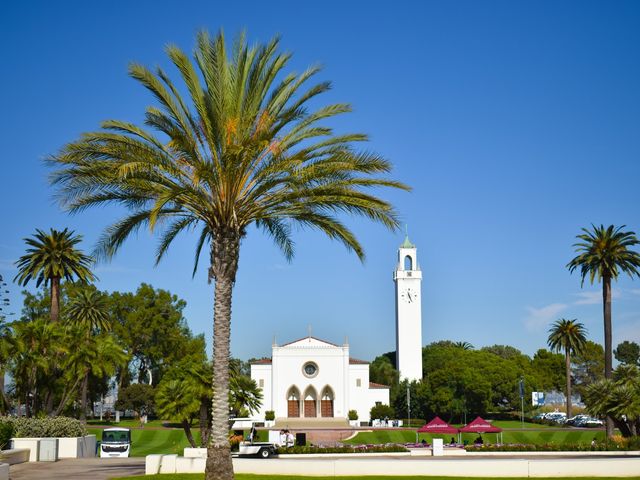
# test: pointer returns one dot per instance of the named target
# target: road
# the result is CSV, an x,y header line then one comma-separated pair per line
x,y
78,469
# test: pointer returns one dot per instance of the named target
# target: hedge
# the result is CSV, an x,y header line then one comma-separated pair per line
x,y
627,444
6,434
345,449
23,427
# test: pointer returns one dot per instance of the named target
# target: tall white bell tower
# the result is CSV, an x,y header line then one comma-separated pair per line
x,y
408,279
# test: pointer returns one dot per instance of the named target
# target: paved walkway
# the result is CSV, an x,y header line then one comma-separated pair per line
x,y
78,469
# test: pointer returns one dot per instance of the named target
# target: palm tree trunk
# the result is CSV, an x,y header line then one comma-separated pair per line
x,y
83,402
608,355
225,251
55,298
204,421
187,432
568,367
4,402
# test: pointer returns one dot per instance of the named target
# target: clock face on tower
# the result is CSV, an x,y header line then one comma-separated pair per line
x,y
409,295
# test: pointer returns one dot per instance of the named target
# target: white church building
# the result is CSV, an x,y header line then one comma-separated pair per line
x,y
313,378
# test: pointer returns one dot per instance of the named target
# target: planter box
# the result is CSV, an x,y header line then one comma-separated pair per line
x,y
14,456
195,453
68,447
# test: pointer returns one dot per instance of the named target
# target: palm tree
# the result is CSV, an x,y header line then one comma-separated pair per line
x,y
570,336
244,149
602,254
52,257
7,343
177,399
88,309
463,345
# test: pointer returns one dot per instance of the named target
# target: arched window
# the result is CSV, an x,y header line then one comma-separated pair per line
x,y
408,262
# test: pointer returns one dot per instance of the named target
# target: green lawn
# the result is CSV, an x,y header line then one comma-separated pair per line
x,y
127,423
239,476
525,436
146,442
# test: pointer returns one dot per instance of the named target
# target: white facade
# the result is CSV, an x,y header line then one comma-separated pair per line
x,y
311,378
408,279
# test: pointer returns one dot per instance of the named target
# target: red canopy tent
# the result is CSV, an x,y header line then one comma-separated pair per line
x,y
479,425
437,425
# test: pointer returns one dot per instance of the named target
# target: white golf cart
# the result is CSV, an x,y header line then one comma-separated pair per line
x,y
252,448
116,442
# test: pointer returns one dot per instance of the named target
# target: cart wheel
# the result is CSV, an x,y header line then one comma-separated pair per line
x,y
265,453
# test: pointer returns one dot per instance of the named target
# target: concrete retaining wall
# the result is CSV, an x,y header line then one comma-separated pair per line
x,y
324,466
68,447
4,471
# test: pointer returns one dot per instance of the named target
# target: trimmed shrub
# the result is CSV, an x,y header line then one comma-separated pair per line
x,y
352,415
381,411
45,427
269,415
551,447
344,449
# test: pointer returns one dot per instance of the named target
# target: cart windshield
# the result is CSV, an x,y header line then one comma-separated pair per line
x,y
116,436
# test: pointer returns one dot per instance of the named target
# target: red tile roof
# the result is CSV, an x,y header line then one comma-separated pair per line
x,y
262,361
355,361
377,385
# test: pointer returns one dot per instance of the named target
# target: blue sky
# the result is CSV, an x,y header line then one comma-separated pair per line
x,y
516,124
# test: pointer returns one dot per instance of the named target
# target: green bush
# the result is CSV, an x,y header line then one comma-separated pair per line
x,y
345,449
381,411
352,415
269,415
6,433
45,427
550,447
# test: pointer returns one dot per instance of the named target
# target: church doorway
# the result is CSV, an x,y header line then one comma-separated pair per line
x,y
310,403
326,403
293,403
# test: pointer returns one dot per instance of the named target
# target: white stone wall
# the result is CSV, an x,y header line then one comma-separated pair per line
x,y
261,374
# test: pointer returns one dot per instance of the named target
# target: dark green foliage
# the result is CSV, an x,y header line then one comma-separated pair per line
x,y
588,366
269,415
382,411
138,397
352,415
6,433
549,447
628,352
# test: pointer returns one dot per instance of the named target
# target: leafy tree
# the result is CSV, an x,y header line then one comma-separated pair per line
x,y
618,398
150,325
588,366
381,412
52,257
628,352
548,370
242,150
138,397
603,253
504,351
382,371
570,336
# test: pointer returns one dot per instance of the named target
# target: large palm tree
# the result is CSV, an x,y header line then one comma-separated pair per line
x,y
88,309
242,149
50,258
602,254
568,336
